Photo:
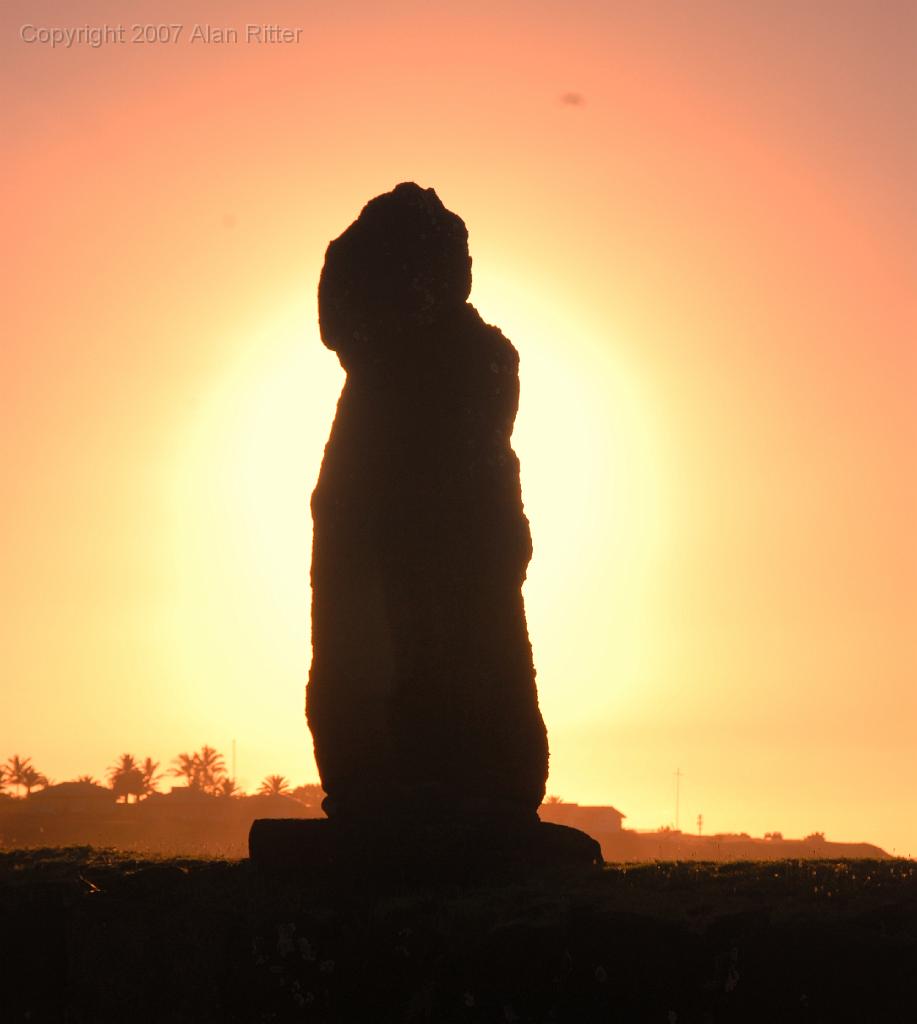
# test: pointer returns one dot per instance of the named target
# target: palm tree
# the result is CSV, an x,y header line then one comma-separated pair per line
x,y
186,768
227,787
205,769
211,768
125,763
126,778
17,768
32,778
87,778
151,775
275,785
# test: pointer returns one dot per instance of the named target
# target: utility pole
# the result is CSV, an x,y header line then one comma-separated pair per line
x,y
678,778
700,824
233,760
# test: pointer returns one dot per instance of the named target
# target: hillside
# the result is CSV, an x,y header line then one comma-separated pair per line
x,y
627,845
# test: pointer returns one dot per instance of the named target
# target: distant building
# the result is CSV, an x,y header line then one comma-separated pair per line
x,y
589,818
184,793
185,803
71,798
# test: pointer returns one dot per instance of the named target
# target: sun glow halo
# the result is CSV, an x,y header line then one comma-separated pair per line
x,y
252,455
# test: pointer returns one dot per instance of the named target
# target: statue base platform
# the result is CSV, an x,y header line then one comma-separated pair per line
x,y
452,852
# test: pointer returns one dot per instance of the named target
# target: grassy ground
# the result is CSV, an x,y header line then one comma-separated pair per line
x,y
97,936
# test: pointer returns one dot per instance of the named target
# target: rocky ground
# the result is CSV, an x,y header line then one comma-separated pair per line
x,y
97,936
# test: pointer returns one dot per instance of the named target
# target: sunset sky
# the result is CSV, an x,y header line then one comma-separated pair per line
x,y
697,224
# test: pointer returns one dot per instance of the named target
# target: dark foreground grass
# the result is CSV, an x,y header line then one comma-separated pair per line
x,y
97,936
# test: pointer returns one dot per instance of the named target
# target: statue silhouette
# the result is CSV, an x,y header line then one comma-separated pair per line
x,y
421,695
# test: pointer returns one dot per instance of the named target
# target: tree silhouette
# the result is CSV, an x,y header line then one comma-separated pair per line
x,y
211,768
3,778
185,768
126,778
205,769
32,778
274,785
151,775
227,787
87,778
18,769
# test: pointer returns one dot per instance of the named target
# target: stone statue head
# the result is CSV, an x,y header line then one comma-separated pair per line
x,y
397,270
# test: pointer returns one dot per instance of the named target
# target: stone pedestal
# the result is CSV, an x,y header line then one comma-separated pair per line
x,y
455,853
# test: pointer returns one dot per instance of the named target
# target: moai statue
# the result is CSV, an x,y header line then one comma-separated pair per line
x,y
421,696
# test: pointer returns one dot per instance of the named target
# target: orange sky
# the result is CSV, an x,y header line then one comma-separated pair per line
x,y
705,265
